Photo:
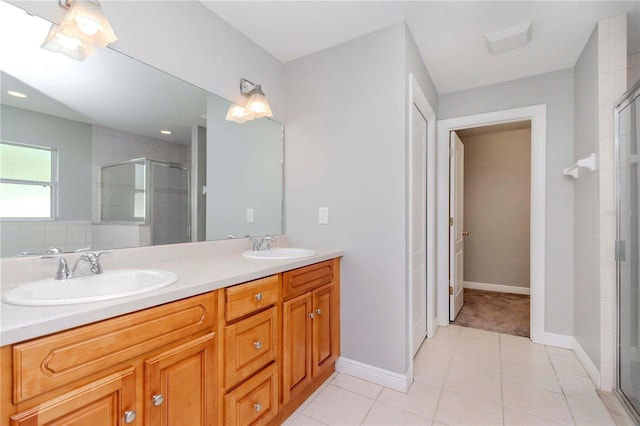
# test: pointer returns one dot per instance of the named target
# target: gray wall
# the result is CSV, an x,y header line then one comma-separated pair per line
x,y
554,89
72,139
345,150
497,200
586,204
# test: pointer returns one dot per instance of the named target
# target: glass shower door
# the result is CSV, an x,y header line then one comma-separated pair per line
x,y
170,204
627,248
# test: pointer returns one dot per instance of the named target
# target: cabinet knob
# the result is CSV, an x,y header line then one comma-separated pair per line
x,y
258,296
129,416
318,311
157,399
311,315
257,344
257,406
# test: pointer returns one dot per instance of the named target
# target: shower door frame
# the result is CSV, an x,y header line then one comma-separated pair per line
x,y
149,195
629,97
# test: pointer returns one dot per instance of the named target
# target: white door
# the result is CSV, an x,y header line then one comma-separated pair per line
x,y
418,233
456,223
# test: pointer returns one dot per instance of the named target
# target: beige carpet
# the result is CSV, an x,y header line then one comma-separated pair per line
x,y
501,312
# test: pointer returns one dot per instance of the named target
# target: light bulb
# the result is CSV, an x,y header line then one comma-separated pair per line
x,y
87,25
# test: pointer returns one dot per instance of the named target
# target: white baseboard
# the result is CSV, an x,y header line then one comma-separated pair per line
x,y
558,340
587,363
497,287
386,378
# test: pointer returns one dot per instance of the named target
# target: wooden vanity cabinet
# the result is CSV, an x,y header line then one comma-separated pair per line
x,y
249,326
152,367
311,330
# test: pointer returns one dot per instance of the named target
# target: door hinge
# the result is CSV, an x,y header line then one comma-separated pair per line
x,y
450,221
620,251
450,291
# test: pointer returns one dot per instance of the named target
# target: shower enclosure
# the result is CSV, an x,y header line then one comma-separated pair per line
x,y
627,119
148,192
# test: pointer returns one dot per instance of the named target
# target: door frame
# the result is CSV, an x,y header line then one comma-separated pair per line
x,y
537,114
417,97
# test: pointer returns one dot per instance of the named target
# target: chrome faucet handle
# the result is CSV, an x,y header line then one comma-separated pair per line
x,y
52,250
63,272
266,242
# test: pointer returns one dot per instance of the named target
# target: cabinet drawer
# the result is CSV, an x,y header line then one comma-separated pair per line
x,y
249,345
307,278
246,298
46,363
255,401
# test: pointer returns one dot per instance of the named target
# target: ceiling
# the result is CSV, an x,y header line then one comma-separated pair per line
x,y
449,34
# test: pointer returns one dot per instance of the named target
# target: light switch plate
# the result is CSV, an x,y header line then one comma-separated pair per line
x,y
323,215
250,215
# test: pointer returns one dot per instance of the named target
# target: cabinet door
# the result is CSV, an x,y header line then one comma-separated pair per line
x,y
179,384
324,350
104,402
296,345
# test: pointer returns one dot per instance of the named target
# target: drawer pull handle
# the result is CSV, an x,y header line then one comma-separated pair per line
x,y
157,399
257,406
311,315
258,296
257,344
129,416
318,311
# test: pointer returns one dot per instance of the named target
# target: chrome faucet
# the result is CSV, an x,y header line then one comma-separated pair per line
x,y
87,264
264,244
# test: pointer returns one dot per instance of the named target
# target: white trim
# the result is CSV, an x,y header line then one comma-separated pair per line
x,y
499,288
586,362
538,116
416,96
388,379
558,340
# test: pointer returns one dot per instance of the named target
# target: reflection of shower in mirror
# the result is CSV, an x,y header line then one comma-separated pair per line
x,y
143,202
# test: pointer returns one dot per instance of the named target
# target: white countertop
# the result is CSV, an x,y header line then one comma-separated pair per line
x,y
195,277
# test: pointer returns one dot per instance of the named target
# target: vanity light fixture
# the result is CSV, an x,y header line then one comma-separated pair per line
x,y
166,132
17,94
257,105
83,28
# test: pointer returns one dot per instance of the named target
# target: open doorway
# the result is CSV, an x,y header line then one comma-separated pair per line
x,y
537,114
490,206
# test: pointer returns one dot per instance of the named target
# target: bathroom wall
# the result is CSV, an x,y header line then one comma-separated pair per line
x,y
586,208
345,149
497,206
554,89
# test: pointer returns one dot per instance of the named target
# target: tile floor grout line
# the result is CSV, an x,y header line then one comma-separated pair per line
x,y
564,395
501,381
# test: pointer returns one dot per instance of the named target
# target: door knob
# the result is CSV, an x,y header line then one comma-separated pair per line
x,y
257,344
465,233
257,406
258,296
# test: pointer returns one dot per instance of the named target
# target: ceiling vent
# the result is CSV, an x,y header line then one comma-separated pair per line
x,y
510,38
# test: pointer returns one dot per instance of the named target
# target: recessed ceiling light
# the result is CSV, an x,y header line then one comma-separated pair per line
x,y
165,132
16,94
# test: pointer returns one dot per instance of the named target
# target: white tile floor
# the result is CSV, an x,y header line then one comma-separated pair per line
x,y
465,376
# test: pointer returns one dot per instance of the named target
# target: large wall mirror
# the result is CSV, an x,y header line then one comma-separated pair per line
x,y
112,153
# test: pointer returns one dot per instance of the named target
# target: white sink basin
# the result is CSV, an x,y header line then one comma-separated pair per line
x,y
279,253
108,285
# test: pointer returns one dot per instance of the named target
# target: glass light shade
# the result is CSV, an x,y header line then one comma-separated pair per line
x,y
237,114
72,47
86,21
257,106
